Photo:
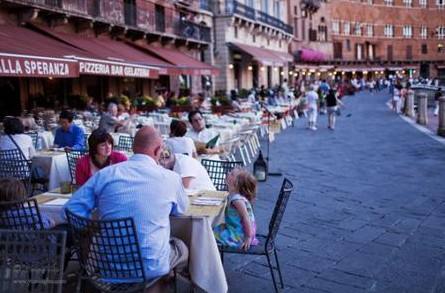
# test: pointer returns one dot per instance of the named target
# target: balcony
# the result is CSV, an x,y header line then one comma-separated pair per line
x,y
191,30
65,6
310,6
205,5
235,7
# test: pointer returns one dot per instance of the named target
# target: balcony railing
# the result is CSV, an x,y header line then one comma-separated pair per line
x,y
205,5
73,6
188,29
273,21
235,7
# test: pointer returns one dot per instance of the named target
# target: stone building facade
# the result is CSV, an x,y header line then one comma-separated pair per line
x,y
404,35
251,43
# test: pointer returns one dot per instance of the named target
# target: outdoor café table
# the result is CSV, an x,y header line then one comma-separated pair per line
x,y
54,165
194,228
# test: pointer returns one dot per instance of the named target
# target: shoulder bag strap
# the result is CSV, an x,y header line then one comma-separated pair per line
x,y
20,150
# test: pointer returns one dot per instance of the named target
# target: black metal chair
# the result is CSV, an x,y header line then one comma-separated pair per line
x,y
31,261
34,136
267,242
13,164
109,250
218,171
73,156
125,143
20,215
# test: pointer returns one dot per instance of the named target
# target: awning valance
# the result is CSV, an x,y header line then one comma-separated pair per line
x,y
24,53
264,56
183,63
310,55
104,56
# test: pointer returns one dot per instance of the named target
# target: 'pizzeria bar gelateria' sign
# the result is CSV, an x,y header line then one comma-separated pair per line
x,y
117,69
29,66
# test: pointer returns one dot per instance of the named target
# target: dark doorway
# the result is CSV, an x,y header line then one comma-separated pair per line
x,y
425,70
9,97
269,76
237,75
255,75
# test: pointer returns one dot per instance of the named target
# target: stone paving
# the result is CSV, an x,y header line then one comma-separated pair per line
x,y
368,211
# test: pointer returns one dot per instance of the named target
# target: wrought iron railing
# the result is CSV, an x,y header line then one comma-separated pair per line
x,y
191,30
73,6
238,8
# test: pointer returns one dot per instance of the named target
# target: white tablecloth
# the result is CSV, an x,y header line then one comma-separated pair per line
x,y
47,139
55,167
205,266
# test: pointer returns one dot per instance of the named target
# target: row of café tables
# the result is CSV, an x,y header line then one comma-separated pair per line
x,y
194,228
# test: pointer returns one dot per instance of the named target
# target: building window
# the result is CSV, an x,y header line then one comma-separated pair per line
x,y
358,51
347,28
408,31
423,32
409,52
253,38
335,27
249,3
369,30
276,9
348,45
388,30
338,54
440,4
130,12
265,6
357,29
424,49
389,2
440,48
389,52
408,3
159,18
423,3
440,31
322,33
235,32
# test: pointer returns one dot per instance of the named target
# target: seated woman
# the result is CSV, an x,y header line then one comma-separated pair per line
x,y
179,143
14,137
101,155
12,189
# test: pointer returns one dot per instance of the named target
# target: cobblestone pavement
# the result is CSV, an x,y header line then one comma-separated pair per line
x,y
368,212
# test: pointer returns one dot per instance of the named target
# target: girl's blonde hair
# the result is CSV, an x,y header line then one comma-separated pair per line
x,y
12,189
246,184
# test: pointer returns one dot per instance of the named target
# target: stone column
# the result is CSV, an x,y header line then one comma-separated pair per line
x,y
422,103
409,105
441,128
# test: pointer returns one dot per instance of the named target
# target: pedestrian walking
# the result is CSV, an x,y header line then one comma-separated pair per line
x,y
332,103
437,96
312,107
396,98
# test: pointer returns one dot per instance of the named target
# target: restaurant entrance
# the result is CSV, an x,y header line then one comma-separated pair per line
x,y
9,97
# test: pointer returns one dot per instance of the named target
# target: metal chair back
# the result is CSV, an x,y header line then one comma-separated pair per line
x,y
125,143
14,164
32,261
280,207
218,171
108,250
20,215
73,156
34,136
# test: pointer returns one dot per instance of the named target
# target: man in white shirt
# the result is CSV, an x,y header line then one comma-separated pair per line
x,y
202,135
194,175
141,189
312,108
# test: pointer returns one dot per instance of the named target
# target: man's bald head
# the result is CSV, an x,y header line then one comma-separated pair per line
x,y
148,142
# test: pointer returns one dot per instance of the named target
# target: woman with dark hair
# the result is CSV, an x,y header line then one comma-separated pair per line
x,y
101,155
178,143
14,137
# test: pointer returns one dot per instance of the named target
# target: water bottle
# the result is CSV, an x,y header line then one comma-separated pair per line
x,y
39,143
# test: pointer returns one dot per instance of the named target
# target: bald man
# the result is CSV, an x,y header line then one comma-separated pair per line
x,y
145,191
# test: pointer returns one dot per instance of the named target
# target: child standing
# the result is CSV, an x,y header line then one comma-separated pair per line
x,y
239,228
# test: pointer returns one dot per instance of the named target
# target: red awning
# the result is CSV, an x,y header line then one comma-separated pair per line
x,y
184,63
104,56
264,56
310,55
24,53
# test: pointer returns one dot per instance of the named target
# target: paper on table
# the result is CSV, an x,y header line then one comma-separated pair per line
x,y
57,202
206,201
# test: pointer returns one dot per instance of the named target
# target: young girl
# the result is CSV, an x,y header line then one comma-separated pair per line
x,y
239,228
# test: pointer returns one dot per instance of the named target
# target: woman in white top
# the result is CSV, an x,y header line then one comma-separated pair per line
x,y
178,143
14,129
